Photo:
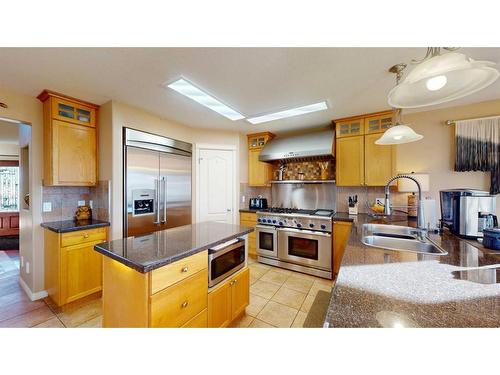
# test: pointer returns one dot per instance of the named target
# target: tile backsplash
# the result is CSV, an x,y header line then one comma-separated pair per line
x,y
64,201
366,197
311,169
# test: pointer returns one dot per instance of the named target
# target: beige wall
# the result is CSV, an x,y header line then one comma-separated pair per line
x,y
435,153
29,109
9,151
116,115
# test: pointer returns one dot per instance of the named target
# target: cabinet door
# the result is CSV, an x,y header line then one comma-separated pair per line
x,y
378,124
341,233
378,161
259,173
76,113
240,293
349,128
219,306
350,161
74,154
81,271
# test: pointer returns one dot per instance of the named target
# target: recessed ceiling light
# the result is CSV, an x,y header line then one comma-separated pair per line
x,y
289,113
192,92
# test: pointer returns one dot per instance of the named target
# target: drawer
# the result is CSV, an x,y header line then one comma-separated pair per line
x,y
199,321
178,304
82,236
247,223
166,276
248,216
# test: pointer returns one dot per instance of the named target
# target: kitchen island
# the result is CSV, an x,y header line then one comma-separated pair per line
x,y
383,288
161,279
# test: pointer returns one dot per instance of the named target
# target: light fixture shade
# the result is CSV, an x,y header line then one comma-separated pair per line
x,y
459,76
397,135
406,185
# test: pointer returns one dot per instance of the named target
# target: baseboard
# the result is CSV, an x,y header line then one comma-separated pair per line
x,y
33,296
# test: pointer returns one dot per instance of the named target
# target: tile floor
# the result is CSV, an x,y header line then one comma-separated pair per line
x,y
278,298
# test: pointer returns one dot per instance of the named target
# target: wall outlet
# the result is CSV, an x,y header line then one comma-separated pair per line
x,y
27,267
22,261
380,201
91,204
243,198
81,203
47,207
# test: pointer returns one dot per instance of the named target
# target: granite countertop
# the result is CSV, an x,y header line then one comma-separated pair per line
x,y
384,288
148,252
252,210
65,226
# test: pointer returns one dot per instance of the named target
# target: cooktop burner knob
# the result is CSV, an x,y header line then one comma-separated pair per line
x,y
311,225
269,221
259,220
280,223
274,221
323,226
299,225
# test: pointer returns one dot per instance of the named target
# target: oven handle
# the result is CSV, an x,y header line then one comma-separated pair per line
x,y
266,228
305,231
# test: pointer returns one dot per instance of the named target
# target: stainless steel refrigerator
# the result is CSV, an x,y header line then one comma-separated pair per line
x,y
157,182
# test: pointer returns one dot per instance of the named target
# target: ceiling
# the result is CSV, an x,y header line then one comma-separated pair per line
x,y
9,133
253,81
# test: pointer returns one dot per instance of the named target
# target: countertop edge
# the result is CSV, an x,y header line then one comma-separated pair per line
x,y
150,267
52,228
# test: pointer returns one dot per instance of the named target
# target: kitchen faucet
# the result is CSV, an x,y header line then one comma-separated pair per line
x,y
420,207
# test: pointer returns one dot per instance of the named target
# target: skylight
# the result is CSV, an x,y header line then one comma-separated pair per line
x,y
289,113
187,89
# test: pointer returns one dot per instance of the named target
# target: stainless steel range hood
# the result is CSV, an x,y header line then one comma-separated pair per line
x,y
312,145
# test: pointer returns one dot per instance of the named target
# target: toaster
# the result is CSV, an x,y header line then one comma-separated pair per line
x,y
258,203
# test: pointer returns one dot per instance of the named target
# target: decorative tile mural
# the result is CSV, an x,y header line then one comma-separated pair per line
x,y
310,169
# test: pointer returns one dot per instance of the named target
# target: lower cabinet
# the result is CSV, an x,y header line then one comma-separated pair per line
x,y
249,219
73,269
229,299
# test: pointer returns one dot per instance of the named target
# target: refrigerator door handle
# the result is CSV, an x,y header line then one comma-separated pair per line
x,y
164,180
157,197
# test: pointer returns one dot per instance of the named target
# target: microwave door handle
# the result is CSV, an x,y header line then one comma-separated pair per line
x,y
157,197
164,181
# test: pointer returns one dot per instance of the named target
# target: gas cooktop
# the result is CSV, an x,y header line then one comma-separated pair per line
x,y
291,211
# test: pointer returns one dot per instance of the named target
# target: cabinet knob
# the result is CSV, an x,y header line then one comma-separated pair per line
x,y
85,235
232,283
184,304
185,269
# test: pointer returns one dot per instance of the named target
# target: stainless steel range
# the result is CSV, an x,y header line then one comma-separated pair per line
x,y
299,240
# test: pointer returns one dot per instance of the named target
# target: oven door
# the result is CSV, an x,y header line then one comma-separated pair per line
x,y
305,247
266,241
224,262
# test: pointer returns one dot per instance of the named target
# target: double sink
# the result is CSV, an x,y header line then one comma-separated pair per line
x,y
398,238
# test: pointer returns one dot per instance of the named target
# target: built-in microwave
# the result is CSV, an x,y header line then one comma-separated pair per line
x,y
224,260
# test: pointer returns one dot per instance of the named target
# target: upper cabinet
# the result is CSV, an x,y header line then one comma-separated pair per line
x,y
259,173
70,140
359,161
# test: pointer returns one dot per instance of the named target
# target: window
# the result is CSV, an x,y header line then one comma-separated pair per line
x,y
9,188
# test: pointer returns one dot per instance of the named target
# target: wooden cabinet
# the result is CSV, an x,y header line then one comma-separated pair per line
x,y
73,270
359,161
175,295
341,233
228,300
70,140
249,219
350,161
259,173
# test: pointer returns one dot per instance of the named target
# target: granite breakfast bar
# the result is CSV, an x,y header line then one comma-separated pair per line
x,y
161,279
385,288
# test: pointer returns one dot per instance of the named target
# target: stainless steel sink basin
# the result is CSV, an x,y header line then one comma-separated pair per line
x,y
393,237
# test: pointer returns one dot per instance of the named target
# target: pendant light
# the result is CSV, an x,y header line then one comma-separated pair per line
x,y
440,78
399,133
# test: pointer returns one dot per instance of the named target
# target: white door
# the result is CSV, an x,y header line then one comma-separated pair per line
x,y
216,185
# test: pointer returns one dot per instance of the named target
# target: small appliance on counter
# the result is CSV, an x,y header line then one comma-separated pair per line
x,y
353,205
258,203
468,212
491,238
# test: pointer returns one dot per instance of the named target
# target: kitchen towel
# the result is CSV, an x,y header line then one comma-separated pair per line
x,y
477,148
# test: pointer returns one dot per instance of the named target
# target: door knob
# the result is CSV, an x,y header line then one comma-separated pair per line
x,y
228,210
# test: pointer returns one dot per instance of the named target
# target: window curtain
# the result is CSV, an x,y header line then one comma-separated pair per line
x,y
477,148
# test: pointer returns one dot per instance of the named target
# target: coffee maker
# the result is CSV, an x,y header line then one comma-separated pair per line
x,y
467,212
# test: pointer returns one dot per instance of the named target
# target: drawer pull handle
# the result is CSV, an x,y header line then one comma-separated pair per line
x,y
232,282
185,269
184,304
85,235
